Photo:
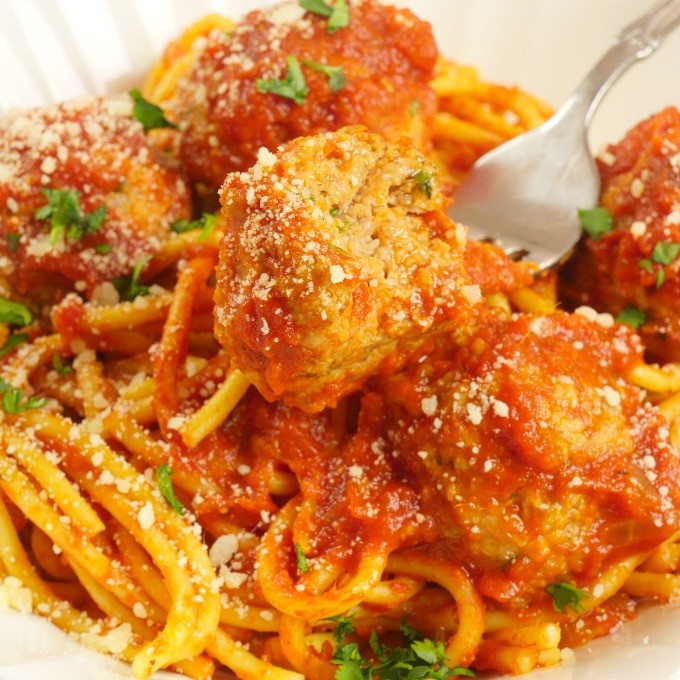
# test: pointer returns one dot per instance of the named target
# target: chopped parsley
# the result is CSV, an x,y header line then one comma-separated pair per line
x,y
13,341
424,181
421,658
344,626
59,366
334,212
12,241
13,400
337,15
163,473
319,7
566,595
182,226
66,217
206,223
414,107
301,560
128,287
646,264
149,115
409,632
293,86
103,248
665,252
335,74
631,316
596,222
14,313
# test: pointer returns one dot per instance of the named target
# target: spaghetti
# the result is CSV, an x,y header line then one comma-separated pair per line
x,y
478,485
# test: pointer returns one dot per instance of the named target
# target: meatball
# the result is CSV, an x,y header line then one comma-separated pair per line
x,y
337,258
535,455
380,64
83,196
636,264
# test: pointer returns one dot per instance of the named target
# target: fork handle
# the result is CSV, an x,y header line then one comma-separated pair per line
x,y
636,41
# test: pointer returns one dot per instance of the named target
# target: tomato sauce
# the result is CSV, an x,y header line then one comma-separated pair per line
x,y
92,150
532,454
641,189
387,57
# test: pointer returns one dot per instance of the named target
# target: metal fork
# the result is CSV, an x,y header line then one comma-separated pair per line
x,y
525,194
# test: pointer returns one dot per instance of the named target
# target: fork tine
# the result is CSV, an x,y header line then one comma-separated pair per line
x,y
477,234
517,254
518,249
515,248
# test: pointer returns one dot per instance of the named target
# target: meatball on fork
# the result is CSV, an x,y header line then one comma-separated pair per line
x,y
338,260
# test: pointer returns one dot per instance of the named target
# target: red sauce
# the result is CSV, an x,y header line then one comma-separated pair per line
x,y
641,186
354,494
493,271
549,480
68,319
387,56
95,148
531,453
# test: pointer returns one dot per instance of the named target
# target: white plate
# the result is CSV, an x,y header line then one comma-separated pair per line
x,y
57,49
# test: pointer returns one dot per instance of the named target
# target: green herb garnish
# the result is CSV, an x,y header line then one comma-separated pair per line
x,y
163,474
424,181
149,115
421,658
337,14
344,626
13,340
12,241
596,222
319,7
566,595
301,560
414,107
665,252
128,287
335,74
14,313
631,316
103,248
59,366
293,86
66,217
206,223
339,17
646,265
13,400
182,226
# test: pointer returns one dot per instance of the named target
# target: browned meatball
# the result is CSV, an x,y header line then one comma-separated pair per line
x,y
532,451
384,60
337,258
636,264
83,197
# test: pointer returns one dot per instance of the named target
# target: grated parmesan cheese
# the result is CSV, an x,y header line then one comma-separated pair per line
x,y
146,516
